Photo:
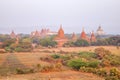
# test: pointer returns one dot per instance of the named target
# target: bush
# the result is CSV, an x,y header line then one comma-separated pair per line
x,y
101,52
18,49
47,68
101,72
114,72
69,44
93,64
55,56
105,62
81,43
20,71
76,64
87,55
48,42
8,49
110,59
88,69
24,71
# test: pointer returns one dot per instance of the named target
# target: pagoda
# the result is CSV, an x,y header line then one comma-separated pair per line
x,y
92,38
84,36
74,37
13,35
60,38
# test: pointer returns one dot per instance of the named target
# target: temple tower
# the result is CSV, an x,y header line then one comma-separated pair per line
x,y
60,38
13,35
74,37
92,38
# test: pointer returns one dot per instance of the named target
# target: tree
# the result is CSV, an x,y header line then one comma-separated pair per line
x,y
81,42
48,42
8,42
69,44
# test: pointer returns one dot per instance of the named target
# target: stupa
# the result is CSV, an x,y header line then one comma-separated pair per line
x,y
60,38
84,36
100,31
92,38
74,37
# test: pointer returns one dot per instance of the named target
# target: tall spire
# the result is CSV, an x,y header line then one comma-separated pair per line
x,y
93,38
61,32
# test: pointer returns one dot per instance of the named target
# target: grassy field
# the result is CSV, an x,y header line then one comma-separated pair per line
x,y
30,59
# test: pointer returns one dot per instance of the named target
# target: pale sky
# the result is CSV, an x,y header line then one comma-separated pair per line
x,y
24,16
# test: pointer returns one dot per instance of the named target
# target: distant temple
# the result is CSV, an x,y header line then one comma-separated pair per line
x,y
84,36
74,37
92,38
13,35
42,33
60,38
100,31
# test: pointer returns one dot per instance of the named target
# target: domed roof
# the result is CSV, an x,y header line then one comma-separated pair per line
x,y
99,29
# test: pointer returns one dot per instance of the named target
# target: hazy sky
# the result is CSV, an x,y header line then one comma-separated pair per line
x,y
24,16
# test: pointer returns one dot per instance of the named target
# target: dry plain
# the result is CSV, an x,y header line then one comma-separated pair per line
x,y
30,59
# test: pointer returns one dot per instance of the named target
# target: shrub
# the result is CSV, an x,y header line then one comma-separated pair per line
x,y
76,63
69,44
88,69
58,66
24,71
114,72
105,62
18,49
93,64
101,52
66,57
81,42
8,49
101,72
48,42
55,56
20,71
111,59
87,55
47,68
112,78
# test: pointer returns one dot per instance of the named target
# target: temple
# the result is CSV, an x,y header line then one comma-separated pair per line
x,y
74,37
84,36
42,33
100,31
92,38
60,38
13,35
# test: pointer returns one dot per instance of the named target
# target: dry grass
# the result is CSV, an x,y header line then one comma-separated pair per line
x,y
65,75
32,58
